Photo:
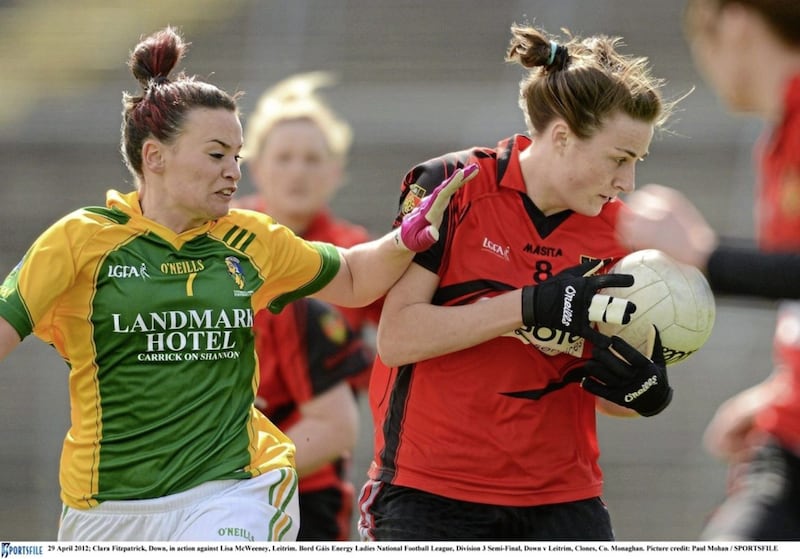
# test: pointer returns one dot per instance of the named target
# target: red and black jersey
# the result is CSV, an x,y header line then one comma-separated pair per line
x,y
499,422
305,350
778,218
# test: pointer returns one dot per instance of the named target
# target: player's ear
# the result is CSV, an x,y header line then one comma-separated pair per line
x,y
153,156
559,135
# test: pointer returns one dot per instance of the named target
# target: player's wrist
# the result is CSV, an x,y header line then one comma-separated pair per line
x,y
397,239
658,404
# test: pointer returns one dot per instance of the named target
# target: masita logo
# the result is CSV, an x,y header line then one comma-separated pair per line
x,y
123,271
7,549
542,250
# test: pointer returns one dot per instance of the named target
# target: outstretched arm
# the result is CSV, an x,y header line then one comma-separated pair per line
x,y
366,272
663,218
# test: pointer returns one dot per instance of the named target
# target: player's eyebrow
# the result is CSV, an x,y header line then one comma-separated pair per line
x,y
633,154
221,143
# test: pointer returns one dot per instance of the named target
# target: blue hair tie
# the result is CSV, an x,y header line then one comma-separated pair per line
x,y
553,49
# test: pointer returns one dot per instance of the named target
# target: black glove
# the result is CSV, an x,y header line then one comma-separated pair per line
x,y
622,375
568,301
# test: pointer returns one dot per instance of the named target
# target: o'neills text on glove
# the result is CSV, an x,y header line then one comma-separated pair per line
x,y
648,384
566,314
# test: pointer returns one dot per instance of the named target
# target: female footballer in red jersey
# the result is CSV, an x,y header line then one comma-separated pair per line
x,y
749,52
486,431
150,302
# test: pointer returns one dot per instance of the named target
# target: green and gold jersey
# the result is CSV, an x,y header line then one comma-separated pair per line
x,y
156,330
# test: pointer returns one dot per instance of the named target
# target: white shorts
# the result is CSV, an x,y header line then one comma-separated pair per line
x,y
263,508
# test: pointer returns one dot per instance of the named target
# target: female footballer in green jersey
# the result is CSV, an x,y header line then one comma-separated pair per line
x,y
150,301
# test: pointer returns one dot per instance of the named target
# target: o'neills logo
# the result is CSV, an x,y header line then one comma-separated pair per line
x,y
566,314
182,267
648,384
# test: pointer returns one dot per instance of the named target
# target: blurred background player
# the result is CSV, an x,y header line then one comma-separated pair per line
x,y
296,150
307,353
749,52
484,430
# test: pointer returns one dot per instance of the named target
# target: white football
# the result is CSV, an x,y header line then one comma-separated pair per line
x,y
674,296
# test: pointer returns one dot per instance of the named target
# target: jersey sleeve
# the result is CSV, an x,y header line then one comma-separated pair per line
x,y
418,183
335,353
12,307
290,266
47,270
750,272
328,265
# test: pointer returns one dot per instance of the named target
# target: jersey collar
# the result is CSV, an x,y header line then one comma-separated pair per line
x,y
129,204
509,172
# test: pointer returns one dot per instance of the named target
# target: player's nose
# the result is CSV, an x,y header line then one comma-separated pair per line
x,y
625,180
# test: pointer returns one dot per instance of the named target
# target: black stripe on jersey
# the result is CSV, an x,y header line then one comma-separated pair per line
x,y
575,375
468,291
503,158
238,236
545,224
393,421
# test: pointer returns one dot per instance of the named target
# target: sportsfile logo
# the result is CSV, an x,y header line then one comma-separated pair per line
x,y
7,549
